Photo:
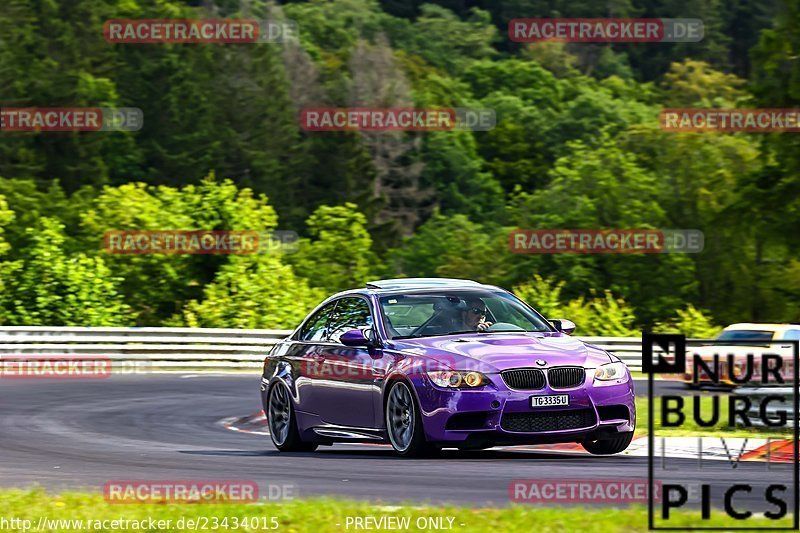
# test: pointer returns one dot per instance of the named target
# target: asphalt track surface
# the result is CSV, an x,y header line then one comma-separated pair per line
x,y
68,434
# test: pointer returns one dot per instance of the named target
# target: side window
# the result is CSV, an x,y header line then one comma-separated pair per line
x,y
351,313
792,335
314,329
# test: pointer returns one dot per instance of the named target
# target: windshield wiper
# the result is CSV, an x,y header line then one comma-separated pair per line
x,y
464,332
438,335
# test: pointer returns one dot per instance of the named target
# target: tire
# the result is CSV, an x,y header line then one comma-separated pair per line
x,y
404,423
282,422
608,446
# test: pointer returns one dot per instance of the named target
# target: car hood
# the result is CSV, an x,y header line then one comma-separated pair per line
x,y
492,352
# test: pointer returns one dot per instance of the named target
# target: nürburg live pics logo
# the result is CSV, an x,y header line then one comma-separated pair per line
x,y
730,462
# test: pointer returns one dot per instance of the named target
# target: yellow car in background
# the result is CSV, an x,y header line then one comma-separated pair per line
x,y
748,338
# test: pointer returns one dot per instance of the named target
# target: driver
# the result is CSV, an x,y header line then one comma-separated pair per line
x,y
475,315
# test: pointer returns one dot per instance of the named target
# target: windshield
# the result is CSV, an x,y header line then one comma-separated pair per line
x,y
746,337
448,312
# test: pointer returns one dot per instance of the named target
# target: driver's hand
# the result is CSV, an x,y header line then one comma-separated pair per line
x,y
483,326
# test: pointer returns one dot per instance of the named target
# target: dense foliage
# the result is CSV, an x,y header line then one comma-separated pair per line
x,y
577,145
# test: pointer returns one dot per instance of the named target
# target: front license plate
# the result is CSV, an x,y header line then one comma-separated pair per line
x,y
550,401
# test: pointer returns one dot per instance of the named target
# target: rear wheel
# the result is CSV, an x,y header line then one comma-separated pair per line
x,y
404,423
283,423
608,446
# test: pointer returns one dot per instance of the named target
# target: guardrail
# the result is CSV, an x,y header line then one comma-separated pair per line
x,y
775,409
161,348
629,349
166,348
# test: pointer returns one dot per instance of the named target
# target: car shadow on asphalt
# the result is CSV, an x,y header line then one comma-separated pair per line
x,y
458,455
334,453
234,453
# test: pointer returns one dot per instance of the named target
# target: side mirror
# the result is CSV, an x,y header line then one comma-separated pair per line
x,y
563,325
357,337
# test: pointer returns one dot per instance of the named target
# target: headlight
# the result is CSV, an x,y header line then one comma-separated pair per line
x,y
455,380
610,371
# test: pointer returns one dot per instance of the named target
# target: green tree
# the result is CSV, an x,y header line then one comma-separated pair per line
x,y
454,247
525,79
516,150
773,195
455,169
157,284
602,188
30,203
338,255
49,287
554,56
6,217
709,192
691,322
592,111
54,55
444,40
543,294
693,83
251,292
603,315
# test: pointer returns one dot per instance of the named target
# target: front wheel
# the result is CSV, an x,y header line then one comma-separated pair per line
x,y
283,423
608,446
404,423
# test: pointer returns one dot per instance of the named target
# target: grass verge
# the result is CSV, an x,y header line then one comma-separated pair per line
x,y
324,515
690,427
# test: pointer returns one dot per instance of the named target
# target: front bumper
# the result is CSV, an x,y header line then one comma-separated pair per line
x,y
496,414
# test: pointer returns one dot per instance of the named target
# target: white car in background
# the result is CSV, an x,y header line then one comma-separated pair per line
x,y
748,338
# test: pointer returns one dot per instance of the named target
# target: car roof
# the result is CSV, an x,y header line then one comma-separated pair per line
x,y
388,287
753,326
404,284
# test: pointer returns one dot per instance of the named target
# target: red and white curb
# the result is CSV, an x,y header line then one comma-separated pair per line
x,y
710,448
256,424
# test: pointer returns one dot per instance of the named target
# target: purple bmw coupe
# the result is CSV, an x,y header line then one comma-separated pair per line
x,y
430,363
